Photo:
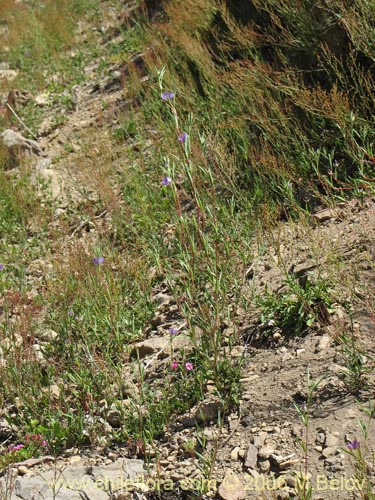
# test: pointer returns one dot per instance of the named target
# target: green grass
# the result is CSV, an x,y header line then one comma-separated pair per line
x,y
279,121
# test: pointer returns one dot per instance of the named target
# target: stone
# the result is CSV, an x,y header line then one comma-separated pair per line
x,y
113,418
264,466
6,430
251,457
323,344
324,215
259,439
124,496
49,335
331,440
234,454
42,165
54,391
69,481
231,488
209,412
39,354
162,299
8,74
22,470
267,450
42,100
327,452
156,344
14,144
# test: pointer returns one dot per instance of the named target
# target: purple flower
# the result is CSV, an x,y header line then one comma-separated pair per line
x,y
189,366
44,443
70,312
167,181
354,445
182,137
173,331
1,267
167,96
98,260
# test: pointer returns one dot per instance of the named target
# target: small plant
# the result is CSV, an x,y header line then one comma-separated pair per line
x,y
303,484
298,307
361,455
33,446
356,362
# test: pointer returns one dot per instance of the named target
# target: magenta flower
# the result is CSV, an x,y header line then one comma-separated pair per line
x,y
174,365
167,181
189,366
354,445
167,96
182,137
44,443
98,260
16,447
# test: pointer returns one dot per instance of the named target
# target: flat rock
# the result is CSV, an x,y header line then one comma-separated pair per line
x,y
156,344
251,457
324,215
70,482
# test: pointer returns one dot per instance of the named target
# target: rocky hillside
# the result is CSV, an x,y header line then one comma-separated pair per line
x,y
186,250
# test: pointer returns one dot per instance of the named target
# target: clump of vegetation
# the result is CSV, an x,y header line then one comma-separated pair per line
x,y
297,307
236,114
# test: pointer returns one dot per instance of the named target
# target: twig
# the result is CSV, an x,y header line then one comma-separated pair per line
x,y
22,122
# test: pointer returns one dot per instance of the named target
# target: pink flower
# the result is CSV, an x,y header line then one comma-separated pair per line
x,y
174,365
189,366
16,447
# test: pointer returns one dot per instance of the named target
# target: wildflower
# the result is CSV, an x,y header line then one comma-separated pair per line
x,y
70,312
354,445
16,447
98,260
174,365
167,181
1,267
189,366
173,331
182,137
167,96
44,443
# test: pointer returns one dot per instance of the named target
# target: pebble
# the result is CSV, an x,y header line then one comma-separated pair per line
x,y
264,466
22,470
267,450
234,453
327,452
332,440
